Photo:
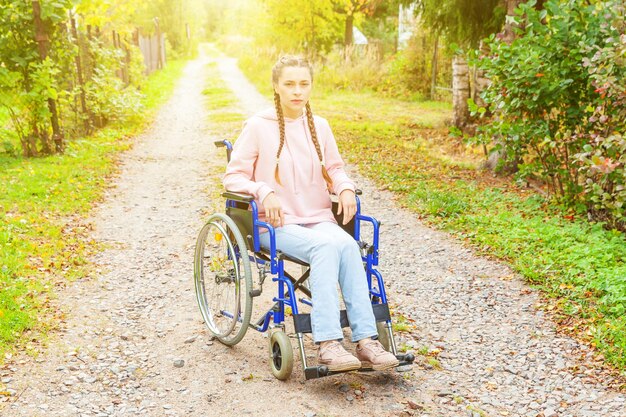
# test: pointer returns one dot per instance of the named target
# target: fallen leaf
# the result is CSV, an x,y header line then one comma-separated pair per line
x,y
414,406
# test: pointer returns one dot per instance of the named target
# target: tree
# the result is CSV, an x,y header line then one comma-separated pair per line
x,y
30,35
309,25
350,8
46,49
463,22
558,90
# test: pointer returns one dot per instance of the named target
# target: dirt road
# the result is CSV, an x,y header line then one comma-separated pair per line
x,y
134,343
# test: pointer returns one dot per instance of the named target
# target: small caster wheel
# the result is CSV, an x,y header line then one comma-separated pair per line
x,y
281,355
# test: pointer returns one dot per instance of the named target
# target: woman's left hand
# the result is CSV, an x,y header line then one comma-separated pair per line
x,y
347,205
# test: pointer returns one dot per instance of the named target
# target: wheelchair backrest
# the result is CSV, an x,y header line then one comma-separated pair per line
x,y
243,219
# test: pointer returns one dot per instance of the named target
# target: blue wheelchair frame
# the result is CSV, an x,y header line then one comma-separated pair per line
x,y
244,211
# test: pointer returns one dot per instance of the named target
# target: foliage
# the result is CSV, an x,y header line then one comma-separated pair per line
x,y
108,99
364,70
301,26
310,26
558,94
262,30
411,70
78,69
354,9
314,28
174,18
395,76
603,160
25,78
463,22
40,246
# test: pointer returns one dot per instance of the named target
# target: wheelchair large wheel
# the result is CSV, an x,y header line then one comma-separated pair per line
x,y
281,355
223,279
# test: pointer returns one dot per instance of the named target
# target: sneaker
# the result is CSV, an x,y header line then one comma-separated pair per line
x,y
372,354
336,358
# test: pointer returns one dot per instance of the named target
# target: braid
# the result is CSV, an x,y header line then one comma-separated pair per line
x,y
309,117
281,128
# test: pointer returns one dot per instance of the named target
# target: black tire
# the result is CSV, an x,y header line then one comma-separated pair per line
x,y
281,355
223,279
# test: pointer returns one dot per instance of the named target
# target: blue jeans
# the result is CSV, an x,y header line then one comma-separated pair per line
x,y
334,257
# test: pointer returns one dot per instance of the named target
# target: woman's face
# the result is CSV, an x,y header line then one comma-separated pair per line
x,y
294,88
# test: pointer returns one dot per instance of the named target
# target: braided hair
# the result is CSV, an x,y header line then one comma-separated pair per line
x,y
294,61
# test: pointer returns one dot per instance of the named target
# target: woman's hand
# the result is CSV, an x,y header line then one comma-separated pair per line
x,y
273,211
347,205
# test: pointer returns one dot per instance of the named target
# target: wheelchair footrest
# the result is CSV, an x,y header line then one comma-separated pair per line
x,y
312,372
406,359
302,322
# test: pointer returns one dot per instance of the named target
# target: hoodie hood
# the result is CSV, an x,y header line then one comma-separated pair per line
x,y
270,114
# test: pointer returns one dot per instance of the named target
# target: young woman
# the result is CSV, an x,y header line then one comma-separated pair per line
x,y
288,160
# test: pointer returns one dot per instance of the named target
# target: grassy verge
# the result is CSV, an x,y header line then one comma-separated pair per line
x,y
404,147
224,118
43,243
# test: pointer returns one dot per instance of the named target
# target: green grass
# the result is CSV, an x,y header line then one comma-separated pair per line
x,y
224,119
43,243
404,147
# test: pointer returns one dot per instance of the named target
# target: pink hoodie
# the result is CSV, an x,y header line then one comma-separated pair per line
x,y
303,194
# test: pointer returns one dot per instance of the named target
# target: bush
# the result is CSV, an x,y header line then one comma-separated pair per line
x,y
108,99
604,158
411,70
355,68
557,92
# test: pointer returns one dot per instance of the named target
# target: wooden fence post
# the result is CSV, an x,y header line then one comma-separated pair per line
x,y
433,76
158,35
124,66
127,59
42,44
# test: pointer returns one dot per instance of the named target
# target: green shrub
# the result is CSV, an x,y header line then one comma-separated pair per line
x,y
557,92
602,162
108,99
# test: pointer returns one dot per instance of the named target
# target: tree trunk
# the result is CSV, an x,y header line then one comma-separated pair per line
x,y
79,74
42,43
460,90
509,28
348,39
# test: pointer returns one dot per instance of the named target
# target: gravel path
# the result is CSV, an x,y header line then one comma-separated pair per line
x,y
134,343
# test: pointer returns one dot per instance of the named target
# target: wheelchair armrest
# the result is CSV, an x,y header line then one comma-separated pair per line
x,y
335,198
243,198
227,144
357,192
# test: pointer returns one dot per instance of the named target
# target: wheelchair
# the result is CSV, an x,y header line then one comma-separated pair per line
x,y
226,247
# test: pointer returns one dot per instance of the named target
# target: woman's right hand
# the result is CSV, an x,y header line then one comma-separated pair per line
x,y
273,211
